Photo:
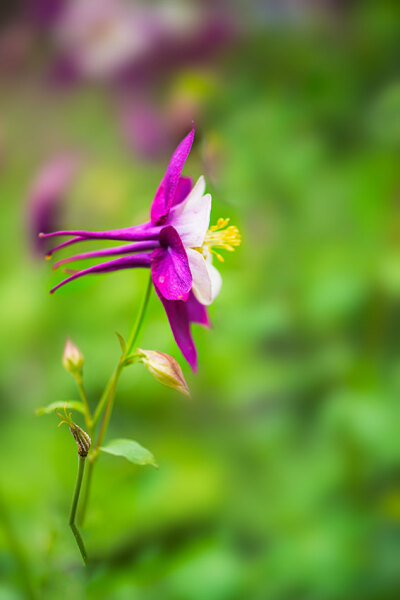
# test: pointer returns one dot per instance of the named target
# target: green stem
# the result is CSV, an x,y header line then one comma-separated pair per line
x,y
139,319
86,492
85,402
102,402
75,500
109,405
106,401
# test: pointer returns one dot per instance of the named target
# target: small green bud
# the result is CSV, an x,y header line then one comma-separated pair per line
x,y
72,359
165,369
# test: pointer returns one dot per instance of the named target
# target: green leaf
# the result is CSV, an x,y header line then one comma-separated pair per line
x,y
131,450
61,404
121,342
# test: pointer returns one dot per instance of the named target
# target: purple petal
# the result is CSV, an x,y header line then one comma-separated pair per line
x,y
165,194
197,312
170,266
178,318
127,262
127,249
185,184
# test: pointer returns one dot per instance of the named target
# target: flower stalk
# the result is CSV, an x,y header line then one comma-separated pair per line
x,y
83,442
75,500
106,402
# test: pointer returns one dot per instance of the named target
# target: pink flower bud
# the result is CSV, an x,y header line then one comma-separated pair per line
x,y
165,369
72,359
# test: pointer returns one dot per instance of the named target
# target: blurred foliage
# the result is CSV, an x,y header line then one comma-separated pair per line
x,y
280,478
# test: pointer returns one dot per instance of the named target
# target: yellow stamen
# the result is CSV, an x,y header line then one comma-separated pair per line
x,y
221,236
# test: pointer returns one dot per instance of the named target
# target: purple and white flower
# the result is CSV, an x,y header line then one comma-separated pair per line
x,y
177,244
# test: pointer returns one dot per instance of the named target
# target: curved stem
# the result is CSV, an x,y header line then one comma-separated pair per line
x,y
75,500
106,401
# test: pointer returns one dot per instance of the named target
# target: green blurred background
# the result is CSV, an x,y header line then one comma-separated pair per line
x,y
280,478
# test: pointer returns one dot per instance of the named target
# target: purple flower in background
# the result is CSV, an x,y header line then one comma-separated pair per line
x,y
136,49
134,41
47,193
177,244
99,38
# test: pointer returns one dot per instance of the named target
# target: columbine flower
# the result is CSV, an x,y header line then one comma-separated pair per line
x,y
177,244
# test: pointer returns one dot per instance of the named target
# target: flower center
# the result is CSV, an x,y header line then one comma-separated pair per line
x,y
222,236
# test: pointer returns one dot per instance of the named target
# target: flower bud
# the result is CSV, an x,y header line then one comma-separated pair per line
x,y
165,369
72,359
81,437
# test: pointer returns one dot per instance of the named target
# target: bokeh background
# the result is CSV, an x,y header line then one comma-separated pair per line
x,y
280,478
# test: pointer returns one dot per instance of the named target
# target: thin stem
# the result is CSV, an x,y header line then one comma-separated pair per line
x,y
131,341
140,318
103,400
75,500
85,402
86,492
106,401
109,406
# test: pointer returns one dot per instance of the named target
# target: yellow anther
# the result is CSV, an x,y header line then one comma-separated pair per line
x,y
221,223
221,236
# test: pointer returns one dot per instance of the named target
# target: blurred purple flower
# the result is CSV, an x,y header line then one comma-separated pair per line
x,y
44,13
100,38
47,193
135,41
134,47
176,244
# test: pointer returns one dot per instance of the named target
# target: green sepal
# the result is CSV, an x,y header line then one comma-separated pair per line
x,y
122,342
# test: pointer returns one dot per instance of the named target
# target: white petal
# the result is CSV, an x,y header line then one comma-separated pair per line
x,y
194,195
216,280
191,218
202,286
